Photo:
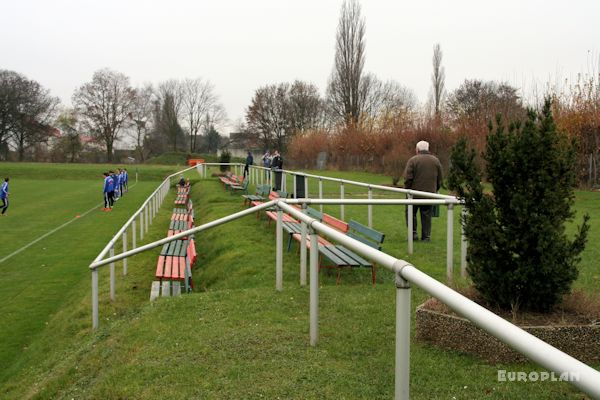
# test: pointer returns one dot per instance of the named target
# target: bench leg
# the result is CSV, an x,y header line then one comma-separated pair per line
x,y
373,273
339,276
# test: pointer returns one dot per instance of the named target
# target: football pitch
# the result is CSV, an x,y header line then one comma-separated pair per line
x,y
52,230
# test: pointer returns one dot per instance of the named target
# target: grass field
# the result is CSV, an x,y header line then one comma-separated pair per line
x,y
236,337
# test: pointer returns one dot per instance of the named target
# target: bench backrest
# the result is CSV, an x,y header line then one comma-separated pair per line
x,y
278,194
335,223
263,190
366,235
316,214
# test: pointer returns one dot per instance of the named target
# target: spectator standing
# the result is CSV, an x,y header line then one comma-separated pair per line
x,y
249,162
4,195
423,172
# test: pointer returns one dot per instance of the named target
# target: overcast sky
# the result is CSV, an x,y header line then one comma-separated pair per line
x,y
240,45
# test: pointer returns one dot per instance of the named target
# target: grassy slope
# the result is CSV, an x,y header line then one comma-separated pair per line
x,y
238,338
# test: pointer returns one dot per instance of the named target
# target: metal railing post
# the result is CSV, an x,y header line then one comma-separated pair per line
x,y
146,218
279,252
402,368
112,275
95,298
370,209
314,288
410,223
142,225
342,217
124,250
321,193
283,182
294,186
306,187
303,249
450,244
133,234
463,245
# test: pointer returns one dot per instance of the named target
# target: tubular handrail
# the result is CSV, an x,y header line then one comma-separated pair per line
x,y
520,340
115,238
588,379
96,264
361,184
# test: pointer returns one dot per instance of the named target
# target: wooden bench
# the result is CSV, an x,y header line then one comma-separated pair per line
x,y
173,267
184,214
294,228
231,179
341,257
271,212
242,187
261,192
181,199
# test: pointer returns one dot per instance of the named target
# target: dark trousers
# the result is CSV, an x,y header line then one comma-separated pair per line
x,y
246,170
109,199
4,204
425,220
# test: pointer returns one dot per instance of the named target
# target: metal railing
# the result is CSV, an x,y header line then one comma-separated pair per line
x,y
145,214
262,175
406,274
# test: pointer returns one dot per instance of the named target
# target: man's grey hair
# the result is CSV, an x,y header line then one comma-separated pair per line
x,y
423,146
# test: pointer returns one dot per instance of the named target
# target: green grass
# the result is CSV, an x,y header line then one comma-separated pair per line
x,y
235,337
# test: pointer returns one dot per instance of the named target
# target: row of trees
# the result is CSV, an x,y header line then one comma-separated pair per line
x,y
27,111
178,115
364,122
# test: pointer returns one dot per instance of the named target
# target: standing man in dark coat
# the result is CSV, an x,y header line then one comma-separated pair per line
x,y
249,162
423,172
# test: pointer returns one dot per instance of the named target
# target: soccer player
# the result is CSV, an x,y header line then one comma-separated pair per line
x,y
4,195
116,185
126,182
108,191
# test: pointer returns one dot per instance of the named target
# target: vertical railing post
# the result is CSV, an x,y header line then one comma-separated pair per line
x,y
306,196
402,368
112,275
450,244
124,250
321,193
342,217
463,244
279,252
95,298
314,288
410,223
142,225
370,209
147,217
283,182
133,234
294,186
303,249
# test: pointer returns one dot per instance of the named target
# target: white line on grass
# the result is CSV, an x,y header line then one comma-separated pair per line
x,y
45,235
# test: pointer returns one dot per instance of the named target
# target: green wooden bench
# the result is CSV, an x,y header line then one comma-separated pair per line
x,y
341,257
243,187
173,267
294,228
262,191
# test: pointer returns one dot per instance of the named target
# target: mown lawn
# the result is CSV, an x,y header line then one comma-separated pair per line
x,y
236,337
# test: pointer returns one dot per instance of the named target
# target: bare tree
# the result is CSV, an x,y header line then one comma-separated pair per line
x,y
346,90
167,122
438,79
26,111
200,107
104,105
69,146
141,114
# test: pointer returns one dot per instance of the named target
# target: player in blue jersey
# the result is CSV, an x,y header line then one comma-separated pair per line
x,y
126,181
108,191
4,195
